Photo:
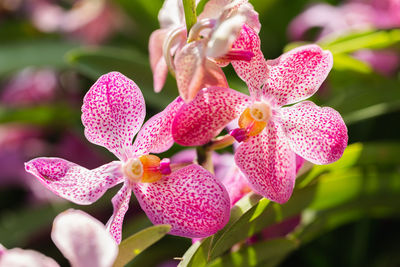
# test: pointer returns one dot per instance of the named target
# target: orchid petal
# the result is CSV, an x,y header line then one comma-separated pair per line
x,y
157,62
191,200
120,205
156,134
171,14
268,163
317,134
83,240
73,182
213,9
17,257
255,71
224,35
297,74
299,163
203,118
194,71
251,15
231,177
113,111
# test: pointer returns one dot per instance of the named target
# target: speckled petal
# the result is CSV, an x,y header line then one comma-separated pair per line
x,y
120,205
113,111
254,72
194,71
268,163
191,200
18,257
297,74
156,134
317,134
83,240
157,62
73,182
203,118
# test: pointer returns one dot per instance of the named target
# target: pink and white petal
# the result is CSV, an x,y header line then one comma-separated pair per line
x,y
156,134
17,257
205,117
120,205
231,177
73,182
194,71
299,163
171,14
157,62
83,240
251,15
191,200
268,163
224,35
254,72
297,74
113,111
213,9
318,134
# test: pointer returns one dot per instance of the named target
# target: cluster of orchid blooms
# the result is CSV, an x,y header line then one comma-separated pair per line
x,y
193,192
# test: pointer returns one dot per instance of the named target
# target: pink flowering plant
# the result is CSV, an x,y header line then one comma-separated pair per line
x,y
238,156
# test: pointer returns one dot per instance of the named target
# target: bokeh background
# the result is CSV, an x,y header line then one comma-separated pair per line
x,y
51,51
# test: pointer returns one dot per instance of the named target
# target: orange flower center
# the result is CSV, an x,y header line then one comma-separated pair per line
x,y
255,118
144,169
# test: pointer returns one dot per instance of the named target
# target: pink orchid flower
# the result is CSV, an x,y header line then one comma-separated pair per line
x,y
91,21
82,239
29,86
271,134
172,23
190,199
197,64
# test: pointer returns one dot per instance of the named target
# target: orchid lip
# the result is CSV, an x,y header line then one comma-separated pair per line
x,y
133,169
146,169
198,27
240,55
260,111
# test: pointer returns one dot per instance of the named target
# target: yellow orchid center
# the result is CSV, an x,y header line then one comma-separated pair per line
x,y
144,169
255,118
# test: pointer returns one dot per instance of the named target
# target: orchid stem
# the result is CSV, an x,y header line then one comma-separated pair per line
x,y
220,142
204,153
204,158
189,7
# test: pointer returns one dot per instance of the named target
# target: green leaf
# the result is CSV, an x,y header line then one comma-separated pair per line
x,y
353,178
54,115
95,62
343,62
135,244
189,6
260,254
365,40
359,96
44,53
